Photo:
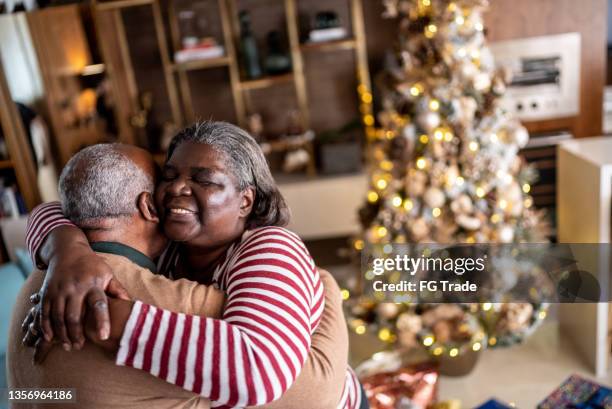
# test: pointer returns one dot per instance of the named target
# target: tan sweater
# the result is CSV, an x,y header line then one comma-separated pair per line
x,y
100,383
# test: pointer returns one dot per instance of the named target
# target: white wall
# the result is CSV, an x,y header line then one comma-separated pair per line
x,y
19,59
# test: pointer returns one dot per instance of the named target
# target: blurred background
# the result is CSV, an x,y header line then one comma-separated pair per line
x,y
307,79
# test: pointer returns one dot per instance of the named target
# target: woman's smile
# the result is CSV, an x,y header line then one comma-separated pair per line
x,y
201,203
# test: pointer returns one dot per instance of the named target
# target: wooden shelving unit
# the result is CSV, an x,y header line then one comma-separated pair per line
x,y
241,88
201,64
18,148
348,44
111,11
179,83
266,82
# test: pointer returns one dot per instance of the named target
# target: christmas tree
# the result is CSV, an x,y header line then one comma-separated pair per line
x,y
444,168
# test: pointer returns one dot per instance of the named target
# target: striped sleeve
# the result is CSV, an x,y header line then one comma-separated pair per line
x,y
352,393
254,354
42,220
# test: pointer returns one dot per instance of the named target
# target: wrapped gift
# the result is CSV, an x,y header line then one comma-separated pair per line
x,y
410,387
493,404
578,393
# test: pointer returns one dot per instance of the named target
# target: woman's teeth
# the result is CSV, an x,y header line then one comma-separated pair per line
x,y
179,211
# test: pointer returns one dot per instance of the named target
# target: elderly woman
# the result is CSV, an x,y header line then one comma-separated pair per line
x,y
222,209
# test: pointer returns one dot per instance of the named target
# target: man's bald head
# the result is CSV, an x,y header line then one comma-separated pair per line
x,y
103,182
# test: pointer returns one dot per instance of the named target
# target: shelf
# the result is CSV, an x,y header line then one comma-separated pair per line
x,y
6,164
265,82
344,44
121,4
201,64
287,142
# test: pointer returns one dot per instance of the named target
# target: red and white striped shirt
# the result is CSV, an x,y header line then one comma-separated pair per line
x,y
252,356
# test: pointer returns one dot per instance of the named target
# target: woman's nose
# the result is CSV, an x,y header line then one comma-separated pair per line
x,y
179,187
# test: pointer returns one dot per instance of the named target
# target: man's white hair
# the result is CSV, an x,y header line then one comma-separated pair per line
x,y
100,182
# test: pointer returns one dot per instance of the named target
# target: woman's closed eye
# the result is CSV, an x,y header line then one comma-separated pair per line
x,y
204,178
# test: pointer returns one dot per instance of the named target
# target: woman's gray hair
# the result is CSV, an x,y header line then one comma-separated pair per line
x,y
100,182
248,164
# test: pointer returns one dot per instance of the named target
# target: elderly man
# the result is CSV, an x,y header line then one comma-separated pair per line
x,y
106,191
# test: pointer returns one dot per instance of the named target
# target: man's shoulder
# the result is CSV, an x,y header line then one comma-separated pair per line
x,y
124,268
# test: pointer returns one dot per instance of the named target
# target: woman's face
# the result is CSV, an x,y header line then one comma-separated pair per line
x,y
198,198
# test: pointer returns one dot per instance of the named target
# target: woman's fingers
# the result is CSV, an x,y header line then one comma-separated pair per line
x,y
58,323
96,300
32,336
41,350
74,322
35,298
29,318
45,320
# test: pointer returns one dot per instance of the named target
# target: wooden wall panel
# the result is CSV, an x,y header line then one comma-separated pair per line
x,y
526,18
62,52
508,19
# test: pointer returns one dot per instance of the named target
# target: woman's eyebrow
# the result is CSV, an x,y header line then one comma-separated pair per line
x,y
202,170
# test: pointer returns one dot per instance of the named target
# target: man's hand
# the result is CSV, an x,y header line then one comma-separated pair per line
x,y
76,278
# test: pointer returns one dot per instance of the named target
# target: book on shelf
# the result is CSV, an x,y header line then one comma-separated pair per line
x,y
326,34
199,53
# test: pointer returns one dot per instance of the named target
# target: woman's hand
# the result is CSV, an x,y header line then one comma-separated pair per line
x,y
76,278
33,335
120,311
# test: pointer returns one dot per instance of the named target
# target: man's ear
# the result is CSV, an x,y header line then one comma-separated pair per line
x,y
248,199
146,206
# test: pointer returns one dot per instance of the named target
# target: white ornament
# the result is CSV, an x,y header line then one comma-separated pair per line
x,y
409,132
434,197
468,222
520,136
387,310
462,205
465,110
409,322
482,82
428,120
513,196
468,70
505,234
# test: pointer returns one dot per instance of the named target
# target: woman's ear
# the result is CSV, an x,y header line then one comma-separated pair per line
x,y
146,206
248,199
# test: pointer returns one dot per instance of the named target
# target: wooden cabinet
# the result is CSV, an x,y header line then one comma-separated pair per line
x,y
64,58
20,158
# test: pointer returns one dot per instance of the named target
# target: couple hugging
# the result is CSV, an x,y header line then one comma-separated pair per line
x,y
233,314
